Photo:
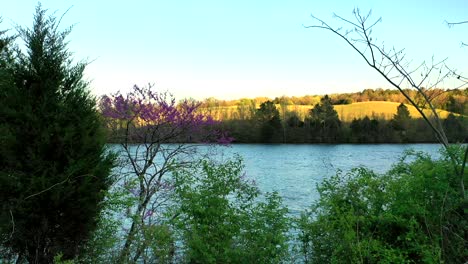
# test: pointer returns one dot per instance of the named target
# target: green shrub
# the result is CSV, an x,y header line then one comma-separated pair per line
x,y
412,214
222,220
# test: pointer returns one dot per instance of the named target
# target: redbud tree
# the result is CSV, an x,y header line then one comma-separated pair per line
x,y
152,131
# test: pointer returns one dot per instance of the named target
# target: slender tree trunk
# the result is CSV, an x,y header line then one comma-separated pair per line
x,y
124,254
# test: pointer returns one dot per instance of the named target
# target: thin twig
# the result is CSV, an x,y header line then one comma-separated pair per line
x,y
12,223
47,189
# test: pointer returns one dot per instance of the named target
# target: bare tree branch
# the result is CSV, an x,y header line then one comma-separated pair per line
x,y
395,69
53,186
12,224
451,24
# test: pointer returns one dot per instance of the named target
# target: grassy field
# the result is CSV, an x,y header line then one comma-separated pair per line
x,y
383,110
374,109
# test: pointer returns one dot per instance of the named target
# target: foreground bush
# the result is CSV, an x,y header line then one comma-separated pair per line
x,y
222,220
412,214
215,214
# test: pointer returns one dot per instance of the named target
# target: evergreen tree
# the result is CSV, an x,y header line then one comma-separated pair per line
x,y
293,120
269,119
400,122
403,114
324,121
455,106
456,127
365,130
54,168
5,50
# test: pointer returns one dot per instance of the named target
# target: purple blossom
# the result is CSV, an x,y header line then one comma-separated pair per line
x,y
148,213
143,107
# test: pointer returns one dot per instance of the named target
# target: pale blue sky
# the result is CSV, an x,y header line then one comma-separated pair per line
x,y
243,48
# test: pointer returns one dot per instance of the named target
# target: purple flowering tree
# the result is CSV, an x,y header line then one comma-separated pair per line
x,y
152,130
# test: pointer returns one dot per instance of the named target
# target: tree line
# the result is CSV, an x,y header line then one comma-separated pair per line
x,y
268,124
452,100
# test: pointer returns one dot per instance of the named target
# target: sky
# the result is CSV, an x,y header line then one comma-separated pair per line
x,y
244,48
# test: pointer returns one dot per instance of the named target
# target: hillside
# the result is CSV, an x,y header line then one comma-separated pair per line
x,y
377,109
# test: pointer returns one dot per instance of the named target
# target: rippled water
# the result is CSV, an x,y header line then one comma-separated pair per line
x,y
295,170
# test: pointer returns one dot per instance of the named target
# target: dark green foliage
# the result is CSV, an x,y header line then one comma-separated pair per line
x,y
102,245
293,120
53,165
456,128
269,120
5,50
242,131
401,119
268,113
222,220
324,121
412,214
401,122
365,130
457,106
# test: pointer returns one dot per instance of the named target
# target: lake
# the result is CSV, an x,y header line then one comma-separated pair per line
x,y
295,170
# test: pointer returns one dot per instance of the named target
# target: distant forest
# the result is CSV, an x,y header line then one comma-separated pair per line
x,y
263,120
451,100
370,116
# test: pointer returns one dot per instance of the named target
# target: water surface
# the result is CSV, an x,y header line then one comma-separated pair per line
x,y
294,170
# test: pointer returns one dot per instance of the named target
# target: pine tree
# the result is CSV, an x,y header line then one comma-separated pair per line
x,y
400,122
269,120
401,118
324,121
54,168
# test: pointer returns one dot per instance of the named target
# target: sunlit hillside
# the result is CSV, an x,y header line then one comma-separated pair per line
x,y
347,112
379,109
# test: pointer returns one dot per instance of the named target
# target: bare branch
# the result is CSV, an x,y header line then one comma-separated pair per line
x,y
396,70
451,24
55,185
47,189
12,224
